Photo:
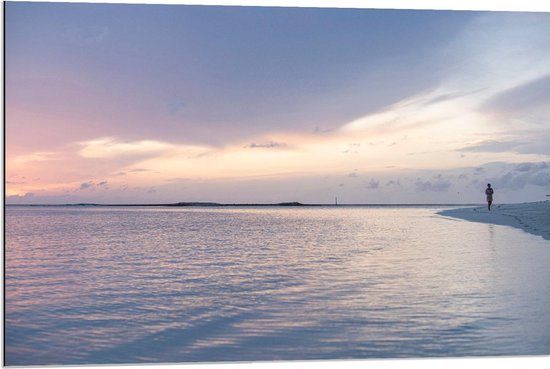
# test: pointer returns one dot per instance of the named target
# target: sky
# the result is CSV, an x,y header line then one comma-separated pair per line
x,y
110,103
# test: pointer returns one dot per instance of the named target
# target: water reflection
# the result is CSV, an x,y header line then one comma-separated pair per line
x,y
171,285
491,235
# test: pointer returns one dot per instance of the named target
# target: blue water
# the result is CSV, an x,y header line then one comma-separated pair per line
x,y
95,285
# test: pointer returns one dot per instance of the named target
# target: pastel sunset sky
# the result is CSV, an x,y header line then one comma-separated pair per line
x,y
114,103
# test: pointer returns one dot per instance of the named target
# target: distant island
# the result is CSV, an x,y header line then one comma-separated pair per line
x,y
293,203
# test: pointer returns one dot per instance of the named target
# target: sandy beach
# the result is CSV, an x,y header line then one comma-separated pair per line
x,y
532,217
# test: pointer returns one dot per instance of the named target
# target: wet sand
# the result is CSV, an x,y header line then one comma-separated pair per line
x,y
532,217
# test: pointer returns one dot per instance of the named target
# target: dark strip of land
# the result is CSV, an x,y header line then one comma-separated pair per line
x,y
215,204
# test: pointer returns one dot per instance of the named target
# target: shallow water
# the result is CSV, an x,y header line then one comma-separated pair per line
x,y
135,285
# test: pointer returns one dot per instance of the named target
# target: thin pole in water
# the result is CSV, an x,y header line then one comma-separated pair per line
x,y
336,200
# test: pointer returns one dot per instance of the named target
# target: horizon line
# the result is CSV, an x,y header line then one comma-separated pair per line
x,y
280,204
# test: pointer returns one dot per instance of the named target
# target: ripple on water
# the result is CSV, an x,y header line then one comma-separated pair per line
x,y
131,285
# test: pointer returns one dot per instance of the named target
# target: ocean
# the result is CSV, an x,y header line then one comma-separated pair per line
x,y
100,285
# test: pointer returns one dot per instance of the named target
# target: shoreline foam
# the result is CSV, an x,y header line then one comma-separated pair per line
x,y
532,217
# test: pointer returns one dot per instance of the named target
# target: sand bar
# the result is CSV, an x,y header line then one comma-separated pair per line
x,y
532,217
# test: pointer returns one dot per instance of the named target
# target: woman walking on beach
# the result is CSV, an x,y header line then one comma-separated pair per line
x,y
489,192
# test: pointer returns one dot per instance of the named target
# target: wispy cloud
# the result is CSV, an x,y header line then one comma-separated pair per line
x,y
93,185
353,148
267,145
439,97
178,180
109,147
492,146
498,52
524,97
34,157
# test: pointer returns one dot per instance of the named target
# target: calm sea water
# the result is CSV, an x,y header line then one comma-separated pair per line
x,y
136,285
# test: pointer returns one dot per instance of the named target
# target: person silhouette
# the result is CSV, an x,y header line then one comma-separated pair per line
x,y
489,192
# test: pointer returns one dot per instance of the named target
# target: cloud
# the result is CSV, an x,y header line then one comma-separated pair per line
x,y
33,157
353,148
92,185
109,147
500,51
436,186
511,180
373,184
537,143
385,118
268,145
524,97
516,177
318,130
178,180
25,196
540,179
440,97
493,146
18,199
86,185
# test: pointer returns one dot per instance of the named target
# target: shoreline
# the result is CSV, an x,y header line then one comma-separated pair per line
x,y
531,217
